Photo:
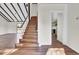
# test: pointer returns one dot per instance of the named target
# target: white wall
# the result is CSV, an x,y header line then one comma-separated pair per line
x,y
73,26
44,21
3,25
8,34
12,27
33,9
7,27
65,28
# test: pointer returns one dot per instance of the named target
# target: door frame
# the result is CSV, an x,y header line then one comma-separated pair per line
x,y
52,12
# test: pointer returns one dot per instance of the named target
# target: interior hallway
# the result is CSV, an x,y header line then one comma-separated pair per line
x,y
30,45
15,17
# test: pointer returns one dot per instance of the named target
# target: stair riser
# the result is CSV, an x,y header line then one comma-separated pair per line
x,y
24,41
31,34
27,42
33,22
30,30
25,46
29,38
32,26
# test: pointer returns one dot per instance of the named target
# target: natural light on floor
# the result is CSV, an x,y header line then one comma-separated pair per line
x,y
55,51
7,51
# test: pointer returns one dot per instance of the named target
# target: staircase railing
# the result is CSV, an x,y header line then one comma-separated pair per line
x,y
28,16
22,27
6,12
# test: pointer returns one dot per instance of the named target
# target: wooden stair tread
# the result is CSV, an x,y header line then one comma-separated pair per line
x,y
28,35
27,45
31,31
28,40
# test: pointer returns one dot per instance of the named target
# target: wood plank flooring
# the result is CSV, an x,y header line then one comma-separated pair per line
x,y
29,45
58,44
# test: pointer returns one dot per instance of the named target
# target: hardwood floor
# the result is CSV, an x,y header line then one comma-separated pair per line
x,y
58,44
8,40
30,45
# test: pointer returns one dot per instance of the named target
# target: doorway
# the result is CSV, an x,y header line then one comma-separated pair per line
x,y
57,26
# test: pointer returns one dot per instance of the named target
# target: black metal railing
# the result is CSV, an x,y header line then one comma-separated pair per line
x,y
10,19
28,15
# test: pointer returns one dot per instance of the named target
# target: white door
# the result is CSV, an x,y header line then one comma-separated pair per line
x,y
60,18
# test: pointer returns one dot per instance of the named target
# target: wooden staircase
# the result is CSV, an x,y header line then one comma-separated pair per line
x,y
30,35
